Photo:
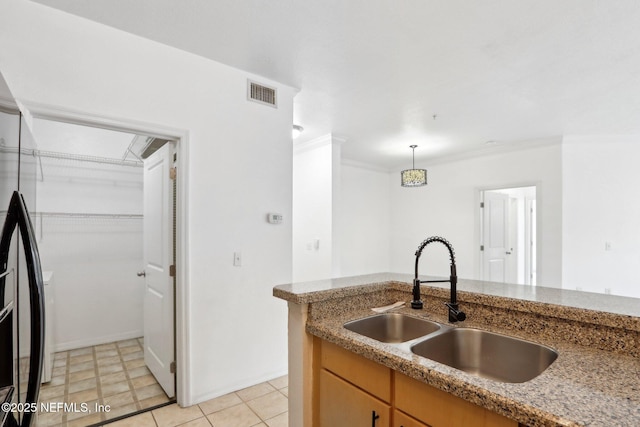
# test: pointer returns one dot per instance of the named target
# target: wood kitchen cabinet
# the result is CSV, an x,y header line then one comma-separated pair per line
x,y
352,391
343,405
437,408
401,419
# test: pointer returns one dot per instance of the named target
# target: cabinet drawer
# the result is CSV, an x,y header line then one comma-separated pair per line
x,y
364,373
343,405
402,420
440,409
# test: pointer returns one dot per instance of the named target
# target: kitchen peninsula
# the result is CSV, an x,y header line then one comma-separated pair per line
x,y
594,381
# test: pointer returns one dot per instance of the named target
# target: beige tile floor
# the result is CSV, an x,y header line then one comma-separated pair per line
x,y
263,405
111,374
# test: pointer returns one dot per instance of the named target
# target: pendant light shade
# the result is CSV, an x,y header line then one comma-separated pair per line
x,y
413,177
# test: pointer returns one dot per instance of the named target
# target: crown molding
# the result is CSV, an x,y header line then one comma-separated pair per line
x,y
300,147
9,106
491,150
363,165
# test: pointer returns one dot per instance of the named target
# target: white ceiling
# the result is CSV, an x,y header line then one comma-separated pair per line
x,y
376,71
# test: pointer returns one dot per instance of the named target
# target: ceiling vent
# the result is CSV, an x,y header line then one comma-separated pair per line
x,y
262,94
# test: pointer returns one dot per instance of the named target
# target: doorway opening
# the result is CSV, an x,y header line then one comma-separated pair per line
x,y
113,263
508,230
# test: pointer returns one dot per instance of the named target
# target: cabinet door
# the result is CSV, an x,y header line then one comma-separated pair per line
x,y
343,405
363,373
440,409
402,420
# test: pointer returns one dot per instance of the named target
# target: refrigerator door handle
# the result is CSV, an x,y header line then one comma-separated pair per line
x,y
18,217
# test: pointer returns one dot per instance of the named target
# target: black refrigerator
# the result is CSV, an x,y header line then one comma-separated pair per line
x,y
18,219
21,287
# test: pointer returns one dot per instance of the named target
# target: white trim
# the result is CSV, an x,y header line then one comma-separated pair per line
x,y
181,136
362,165
242,385
9,106
598,139
492,150
500,149
70,345
528,206
66,115
183,299
479,231
517,184
299,147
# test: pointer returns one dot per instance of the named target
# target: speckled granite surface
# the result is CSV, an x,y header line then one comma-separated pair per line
x,y
594,382
603,309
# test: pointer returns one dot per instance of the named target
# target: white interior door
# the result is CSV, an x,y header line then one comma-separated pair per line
x,y
496,236
158,257
512,242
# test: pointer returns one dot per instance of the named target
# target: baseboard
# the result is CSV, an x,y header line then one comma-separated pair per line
x,y
239,386
72,345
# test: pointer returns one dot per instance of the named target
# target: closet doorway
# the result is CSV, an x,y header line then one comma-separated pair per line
x,y
113,327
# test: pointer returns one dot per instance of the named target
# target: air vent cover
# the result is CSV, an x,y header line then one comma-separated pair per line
x,y
262,94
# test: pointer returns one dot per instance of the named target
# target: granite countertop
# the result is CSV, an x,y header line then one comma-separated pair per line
x,y
319,290
585,386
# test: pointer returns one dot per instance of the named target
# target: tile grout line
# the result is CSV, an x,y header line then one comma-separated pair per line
x,y
97,355
285,395
100,397
153,417
134,395
246,403
262,421
67,385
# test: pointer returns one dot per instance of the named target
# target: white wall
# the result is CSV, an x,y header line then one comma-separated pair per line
x,y
94,260
9,125
313,210
5,93
600,206
448,207
344,206
365,221
236,330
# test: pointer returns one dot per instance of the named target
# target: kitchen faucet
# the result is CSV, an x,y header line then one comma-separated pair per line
x,y
455,315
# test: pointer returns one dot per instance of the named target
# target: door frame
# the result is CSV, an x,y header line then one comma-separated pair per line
x,y
479,237
32,110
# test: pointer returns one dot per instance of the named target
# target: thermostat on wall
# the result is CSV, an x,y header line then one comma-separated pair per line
x,y
274,218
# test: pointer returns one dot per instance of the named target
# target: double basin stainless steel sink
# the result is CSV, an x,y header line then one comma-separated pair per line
x,y
481,353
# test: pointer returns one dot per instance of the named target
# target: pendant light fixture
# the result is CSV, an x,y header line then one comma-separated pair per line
x,y
413,177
